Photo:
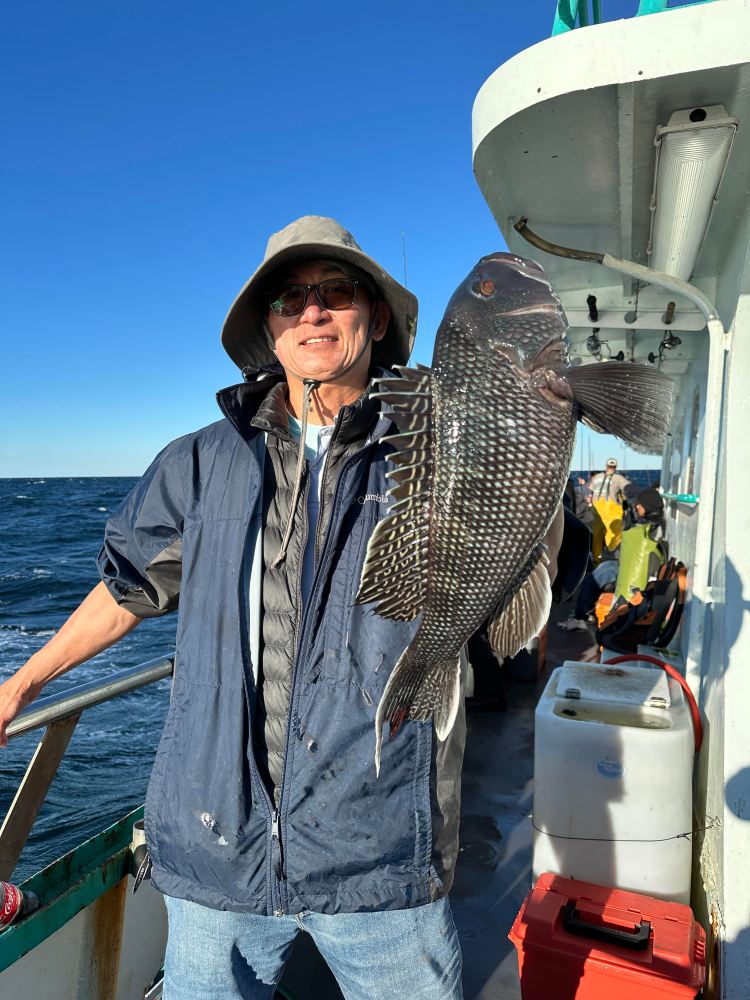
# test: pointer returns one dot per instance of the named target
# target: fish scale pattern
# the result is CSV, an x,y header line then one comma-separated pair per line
x,y
502,457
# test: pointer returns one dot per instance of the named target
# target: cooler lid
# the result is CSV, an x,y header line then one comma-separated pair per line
x,y
621,683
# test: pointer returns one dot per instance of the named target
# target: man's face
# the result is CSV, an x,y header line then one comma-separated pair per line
x,y
322,343
611,469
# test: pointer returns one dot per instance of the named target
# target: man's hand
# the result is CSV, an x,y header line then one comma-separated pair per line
x,y
96,624
15,694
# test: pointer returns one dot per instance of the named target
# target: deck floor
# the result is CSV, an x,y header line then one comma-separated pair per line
x,y
493,875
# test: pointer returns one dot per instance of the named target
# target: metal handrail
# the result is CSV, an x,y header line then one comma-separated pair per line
x,y
72,701
59,714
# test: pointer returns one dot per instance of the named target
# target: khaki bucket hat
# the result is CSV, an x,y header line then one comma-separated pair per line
x,y
315,236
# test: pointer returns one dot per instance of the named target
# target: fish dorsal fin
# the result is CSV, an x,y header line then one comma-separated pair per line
x,y
395,570
524,614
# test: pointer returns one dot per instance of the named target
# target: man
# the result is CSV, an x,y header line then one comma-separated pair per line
x,y
264,815
642,552
608,485
607,490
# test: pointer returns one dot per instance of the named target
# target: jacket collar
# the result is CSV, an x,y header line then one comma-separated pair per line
x,y
261,405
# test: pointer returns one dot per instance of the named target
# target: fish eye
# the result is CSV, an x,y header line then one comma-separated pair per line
x,y
485,288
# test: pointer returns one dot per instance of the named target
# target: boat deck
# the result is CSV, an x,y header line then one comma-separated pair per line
x,y
493,874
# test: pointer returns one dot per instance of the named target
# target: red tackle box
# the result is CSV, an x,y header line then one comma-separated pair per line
x,y
580,941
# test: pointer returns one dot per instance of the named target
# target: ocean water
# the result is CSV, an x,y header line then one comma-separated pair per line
x,y
50,534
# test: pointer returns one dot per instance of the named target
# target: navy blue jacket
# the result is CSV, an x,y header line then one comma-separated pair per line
x,y
343,839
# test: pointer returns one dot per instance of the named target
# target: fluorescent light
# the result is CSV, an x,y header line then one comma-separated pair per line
x,y
691,156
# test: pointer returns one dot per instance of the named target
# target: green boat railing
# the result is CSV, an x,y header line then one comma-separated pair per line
x,y
570,14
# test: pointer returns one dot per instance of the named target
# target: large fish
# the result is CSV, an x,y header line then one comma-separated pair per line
x,y
484,444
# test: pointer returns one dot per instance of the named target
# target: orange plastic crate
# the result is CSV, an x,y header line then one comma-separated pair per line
x,y
580,941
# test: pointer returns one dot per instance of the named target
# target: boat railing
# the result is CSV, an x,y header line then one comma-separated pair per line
x,y
570,14
60,713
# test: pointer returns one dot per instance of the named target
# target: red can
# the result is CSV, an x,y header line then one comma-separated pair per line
x,y
580,941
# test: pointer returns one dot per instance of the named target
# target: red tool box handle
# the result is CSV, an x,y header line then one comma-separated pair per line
x,y
637,939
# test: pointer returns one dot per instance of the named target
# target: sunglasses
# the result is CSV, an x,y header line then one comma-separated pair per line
x,y
335,293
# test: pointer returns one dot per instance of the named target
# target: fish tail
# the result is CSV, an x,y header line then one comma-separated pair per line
x,y
417,692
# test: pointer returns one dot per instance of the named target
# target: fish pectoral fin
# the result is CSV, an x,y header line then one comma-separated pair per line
x,y
524,615
419,692
394,574
630,400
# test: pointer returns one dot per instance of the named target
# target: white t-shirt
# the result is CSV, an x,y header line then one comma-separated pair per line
x,y
317,439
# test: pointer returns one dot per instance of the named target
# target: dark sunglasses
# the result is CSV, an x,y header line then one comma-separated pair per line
x,y
335,293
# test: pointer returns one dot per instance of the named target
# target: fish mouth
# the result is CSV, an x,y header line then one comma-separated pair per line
x,y
542,307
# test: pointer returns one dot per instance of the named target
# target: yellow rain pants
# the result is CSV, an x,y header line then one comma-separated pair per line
x,y
607,527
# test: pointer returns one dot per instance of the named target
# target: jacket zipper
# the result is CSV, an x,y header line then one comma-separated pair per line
x,y
277,862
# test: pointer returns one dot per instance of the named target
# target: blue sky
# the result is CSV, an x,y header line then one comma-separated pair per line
x,y
151,148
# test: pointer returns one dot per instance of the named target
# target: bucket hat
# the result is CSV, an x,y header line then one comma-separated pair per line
x,y
315,236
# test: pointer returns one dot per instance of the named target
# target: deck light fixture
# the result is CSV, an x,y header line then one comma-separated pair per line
x,y
692,150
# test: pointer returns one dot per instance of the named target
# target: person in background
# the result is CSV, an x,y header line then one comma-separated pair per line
x,y
593,584
608,485
580,500
607,491
644,549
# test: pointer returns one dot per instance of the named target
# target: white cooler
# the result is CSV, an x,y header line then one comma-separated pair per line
x,y
613,759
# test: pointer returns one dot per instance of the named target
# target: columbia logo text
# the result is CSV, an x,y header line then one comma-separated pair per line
x,y
375,497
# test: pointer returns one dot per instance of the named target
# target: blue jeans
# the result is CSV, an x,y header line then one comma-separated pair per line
x,y
389,955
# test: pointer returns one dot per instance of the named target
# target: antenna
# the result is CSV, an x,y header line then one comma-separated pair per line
x,y
403,253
